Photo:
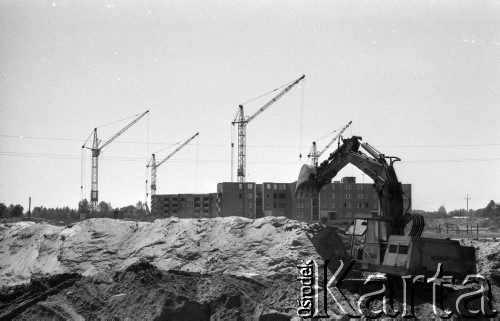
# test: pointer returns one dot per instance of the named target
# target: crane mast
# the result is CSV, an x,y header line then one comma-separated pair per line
x,y
96,151
154,166
315,155
242,123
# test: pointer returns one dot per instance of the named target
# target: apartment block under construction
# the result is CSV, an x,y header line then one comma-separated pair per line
x,y
338,201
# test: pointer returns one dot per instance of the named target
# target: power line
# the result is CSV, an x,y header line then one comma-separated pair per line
x,y
263,146
225,161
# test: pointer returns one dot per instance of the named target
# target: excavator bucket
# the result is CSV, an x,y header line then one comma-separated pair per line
x,y
306,181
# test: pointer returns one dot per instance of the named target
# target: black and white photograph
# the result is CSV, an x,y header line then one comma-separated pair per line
x,y
249,160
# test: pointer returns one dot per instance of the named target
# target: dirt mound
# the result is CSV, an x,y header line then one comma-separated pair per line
x,y
143,292
487,257
231,245
174,269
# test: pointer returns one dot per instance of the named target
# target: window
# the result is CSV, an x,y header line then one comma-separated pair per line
x,y
282,196
282,205
375,205
249,195
282,187
268,186
393,248
240,195
250,205
348,186
360,196
348,214
240,186
333,196
250,186
403,249
360,187
366,205
275,186
332,216
333,205
345,205
268,195
357,205
350,205
274,205
348,196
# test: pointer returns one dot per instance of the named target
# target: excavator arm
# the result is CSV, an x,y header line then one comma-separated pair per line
x,y
377,166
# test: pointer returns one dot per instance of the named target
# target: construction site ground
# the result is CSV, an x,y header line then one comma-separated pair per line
x,y
176,269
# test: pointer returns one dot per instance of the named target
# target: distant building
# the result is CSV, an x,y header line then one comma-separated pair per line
x,y
277,199
339,201
184,205
237,199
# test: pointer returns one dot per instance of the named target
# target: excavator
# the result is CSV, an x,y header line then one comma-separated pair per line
x,y
393,243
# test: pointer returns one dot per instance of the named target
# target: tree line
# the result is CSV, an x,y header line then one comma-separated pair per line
x,y
67,214
11,210
491,210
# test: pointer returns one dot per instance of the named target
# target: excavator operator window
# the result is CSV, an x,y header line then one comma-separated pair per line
x,y
403,249
393,248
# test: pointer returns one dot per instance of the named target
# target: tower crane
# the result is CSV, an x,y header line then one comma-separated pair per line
x,y
242,122
152,163
314,155
96,151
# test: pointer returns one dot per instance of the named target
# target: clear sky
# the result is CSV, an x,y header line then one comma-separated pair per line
x,y
419,79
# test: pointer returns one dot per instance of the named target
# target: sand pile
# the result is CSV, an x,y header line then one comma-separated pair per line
x,y
176,269
231,245
487,257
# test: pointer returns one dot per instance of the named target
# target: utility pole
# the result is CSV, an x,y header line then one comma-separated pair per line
x,y
29,210
467,198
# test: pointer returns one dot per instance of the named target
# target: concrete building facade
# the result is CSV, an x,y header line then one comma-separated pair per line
x,y
277,199
339,201
237,199
184,205
342,201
